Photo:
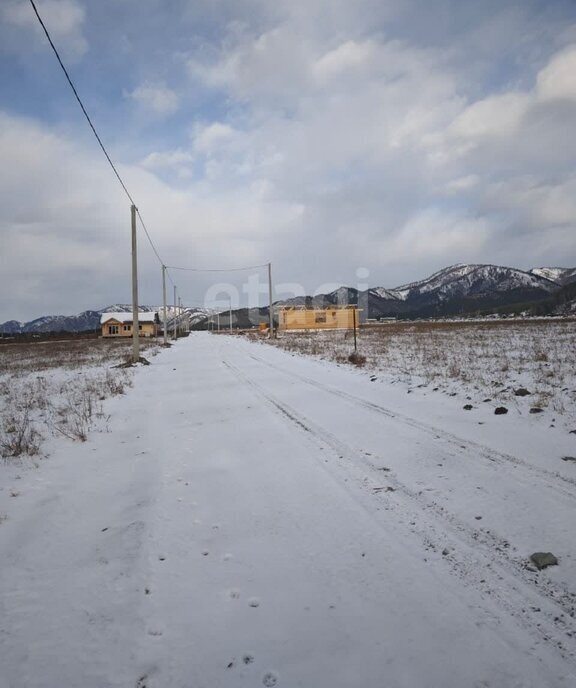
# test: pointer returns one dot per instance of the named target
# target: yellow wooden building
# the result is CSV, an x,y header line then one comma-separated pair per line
x,y
120,324
331,318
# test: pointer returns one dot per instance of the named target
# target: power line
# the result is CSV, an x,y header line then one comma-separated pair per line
x,y
250,267
149,238
96,134
87,116
81,103
169,276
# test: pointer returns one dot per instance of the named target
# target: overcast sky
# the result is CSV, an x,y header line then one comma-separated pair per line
x,y
335,138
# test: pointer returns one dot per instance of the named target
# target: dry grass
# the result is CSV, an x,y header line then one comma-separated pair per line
x,y
486,359
68,354
18,435
357,359
58,388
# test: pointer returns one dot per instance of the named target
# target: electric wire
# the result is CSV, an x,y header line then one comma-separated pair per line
x,y
81,103
249,267
87,116
149,237
125,188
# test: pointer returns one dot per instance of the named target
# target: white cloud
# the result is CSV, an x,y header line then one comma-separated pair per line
x,y
494,116
349,57
462,183
59,236
208,138
508,115
558,79
512,154
538,204
157,98
368,114
316,136
433,233
69,240
323,110
271,68
175,159
64,20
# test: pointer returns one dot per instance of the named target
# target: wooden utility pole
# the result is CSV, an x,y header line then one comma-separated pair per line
x,y
230,323
135,322
164,300
354,319
271,314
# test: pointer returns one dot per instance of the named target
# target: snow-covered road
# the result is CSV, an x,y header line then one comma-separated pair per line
x,y
254,518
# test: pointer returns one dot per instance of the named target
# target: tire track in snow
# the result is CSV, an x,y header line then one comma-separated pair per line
x,y
478,557
460,443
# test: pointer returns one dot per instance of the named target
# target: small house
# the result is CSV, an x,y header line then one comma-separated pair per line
x,y
330,318
120,324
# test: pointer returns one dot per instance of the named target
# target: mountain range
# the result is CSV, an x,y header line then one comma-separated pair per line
x,y
90,320
458,289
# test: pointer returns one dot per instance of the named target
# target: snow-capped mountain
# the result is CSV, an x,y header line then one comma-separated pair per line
x,y
464,288
127,308
392,294
89,320
469,280
83,322
461,288
559,275
456,289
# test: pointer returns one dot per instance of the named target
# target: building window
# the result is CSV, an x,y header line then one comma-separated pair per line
x,y
321,317
112,329
127,328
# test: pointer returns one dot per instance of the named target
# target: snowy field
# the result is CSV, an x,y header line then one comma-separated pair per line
x,y
250,517
58,387
483,362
